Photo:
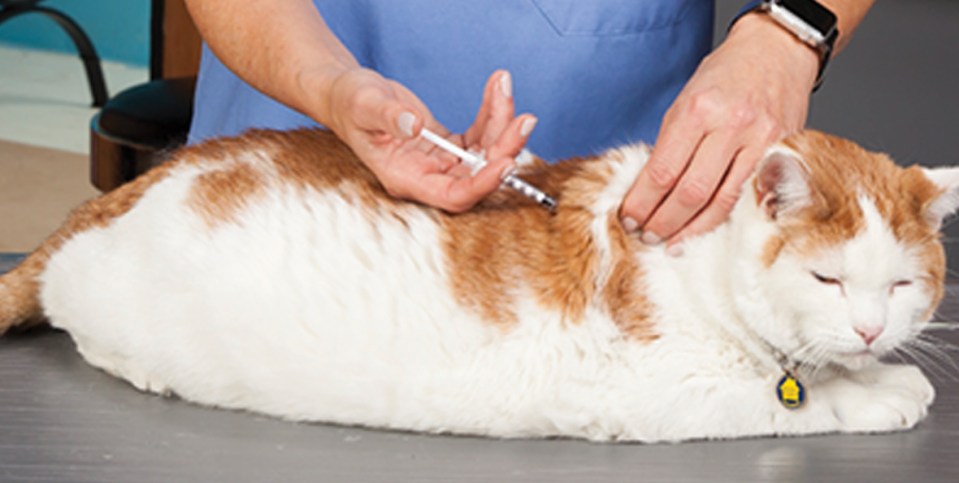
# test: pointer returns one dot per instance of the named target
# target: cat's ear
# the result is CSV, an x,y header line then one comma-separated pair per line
x,y
781,183
946,203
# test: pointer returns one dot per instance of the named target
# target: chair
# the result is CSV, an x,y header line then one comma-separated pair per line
x,y
91,62
128,136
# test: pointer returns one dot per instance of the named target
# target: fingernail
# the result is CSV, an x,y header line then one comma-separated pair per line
x,y
527,126
675,250
650,238
629,224
405,122
506,85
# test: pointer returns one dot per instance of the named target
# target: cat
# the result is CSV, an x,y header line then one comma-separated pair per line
x,y
272,273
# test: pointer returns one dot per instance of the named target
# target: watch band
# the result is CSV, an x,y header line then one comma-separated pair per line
x,y
809,21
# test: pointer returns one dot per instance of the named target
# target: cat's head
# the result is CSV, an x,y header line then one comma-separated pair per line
x,y
846,248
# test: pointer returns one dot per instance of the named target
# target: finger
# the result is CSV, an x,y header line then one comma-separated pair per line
x,y
509,145
388,108
455,194
674,149
501,113
495,113
446,156
379,113
475,131
696,187
718,209
513,138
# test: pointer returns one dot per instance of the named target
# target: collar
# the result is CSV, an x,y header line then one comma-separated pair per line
x,y
790,391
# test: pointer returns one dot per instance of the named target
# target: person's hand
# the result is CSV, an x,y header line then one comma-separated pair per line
x,y
750,92
381,119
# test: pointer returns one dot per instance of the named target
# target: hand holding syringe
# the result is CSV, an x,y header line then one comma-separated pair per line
x,y
476,162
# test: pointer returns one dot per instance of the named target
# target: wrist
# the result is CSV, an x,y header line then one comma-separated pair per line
x,y
759,29
314,89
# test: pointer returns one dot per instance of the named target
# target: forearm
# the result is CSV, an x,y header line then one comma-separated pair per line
x,y
283,48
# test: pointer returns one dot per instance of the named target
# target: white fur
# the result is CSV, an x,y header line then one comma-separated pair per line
x,y
309,308
948,180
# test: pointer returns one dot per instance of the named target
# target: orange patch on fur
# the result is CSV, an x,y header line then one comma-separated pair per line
x,y
305,159
507,244
504,244
840,171
489,252
771,250
219,196
624,293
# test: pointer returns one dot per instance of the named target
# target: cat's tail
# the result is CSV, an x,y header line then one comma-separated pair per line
x,y
20,293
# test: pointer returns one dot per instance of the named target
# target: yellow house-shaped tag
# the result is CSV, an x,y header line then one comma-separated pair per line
x,y
790,392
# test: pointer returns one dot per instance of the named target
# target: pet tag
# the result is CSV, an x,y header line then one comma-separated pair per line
x,y
790,392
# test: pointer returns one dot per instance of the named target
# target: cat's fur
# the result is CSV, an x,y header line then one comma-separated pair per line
x,y
272,273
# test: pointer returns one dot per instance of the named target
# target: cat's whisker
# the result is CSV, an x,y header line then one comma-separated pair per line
x,y
922,361
947,364
943,346
931,357
927,336
801,353
816,360
896,352
939,322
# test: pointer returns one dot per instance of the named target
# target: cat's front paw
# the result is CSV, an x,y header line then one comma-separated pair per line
x,y
885,398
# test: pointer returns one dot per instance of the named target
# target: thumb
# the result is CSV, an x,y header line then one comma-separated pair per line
x,y
386,114
405,124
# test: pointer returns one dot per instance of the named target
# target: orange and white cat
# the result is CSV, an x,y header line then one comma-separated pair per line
x,y
271,273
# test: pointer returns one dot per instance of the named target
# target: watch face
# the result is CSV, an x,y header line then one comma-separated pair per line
x,y
811,12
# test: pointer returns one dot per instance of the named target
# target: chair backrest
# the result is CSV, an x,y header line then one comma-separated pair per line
x,y
174,41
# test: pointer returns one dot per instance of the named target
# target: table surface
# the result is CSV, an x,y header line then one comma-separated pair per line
x,y
62,420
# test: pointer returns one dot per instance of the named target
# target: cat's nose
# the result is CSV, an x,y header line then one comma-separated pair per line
x,y
869,333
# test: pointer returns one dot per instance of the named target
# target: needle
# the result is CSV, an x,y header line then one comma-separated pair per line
x,y
476,162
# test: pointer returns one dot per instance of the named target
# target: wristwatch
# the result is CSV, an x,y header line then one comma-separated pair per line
x,y
811,22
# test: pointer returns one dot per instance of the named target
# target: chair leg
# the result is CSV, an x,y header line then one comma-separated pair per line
x,y
91,61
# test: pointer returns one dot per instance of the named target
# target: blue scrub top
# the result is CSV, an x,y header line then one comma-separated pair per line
x,y
597,73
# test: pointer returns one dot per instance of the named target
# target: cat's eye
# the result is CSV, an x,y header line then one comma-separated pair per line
x,y
826,280
899,284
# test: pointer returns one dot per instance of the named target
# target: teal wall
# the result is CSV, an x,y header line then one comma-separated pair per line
x,y
119,29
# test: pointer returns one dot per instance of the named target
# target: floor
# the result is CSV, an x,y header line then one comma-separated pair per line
x,y
38,186
45,100
44,140
61,420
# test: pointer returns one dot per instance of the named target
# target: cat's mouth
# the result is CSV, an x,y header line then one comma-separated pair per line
x,y
857,359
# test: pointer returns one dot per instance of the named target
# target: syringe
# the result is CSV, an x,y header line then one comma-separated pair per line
x,y
476,163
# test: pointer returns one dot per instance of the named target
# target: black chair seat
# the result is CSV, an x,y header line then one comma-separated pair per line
x,y
154,115
138,127
128,135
